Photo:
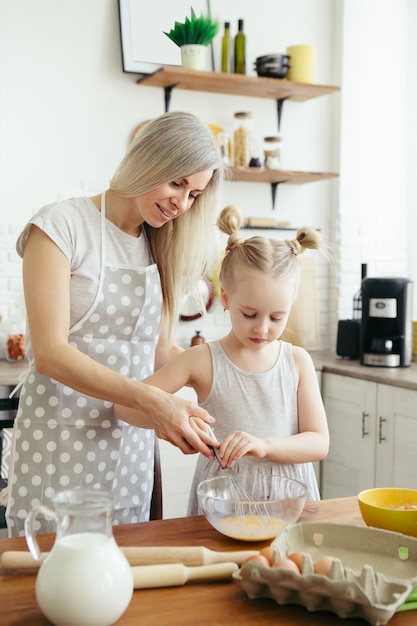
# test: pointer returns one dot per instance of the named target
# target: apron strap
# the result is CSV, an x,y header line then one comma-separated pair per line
x,y
102,263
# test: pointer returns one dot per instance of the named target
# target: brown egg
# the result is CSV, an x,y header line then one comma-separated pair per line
x,y
268,553
297,557
257,558
323,565
286,564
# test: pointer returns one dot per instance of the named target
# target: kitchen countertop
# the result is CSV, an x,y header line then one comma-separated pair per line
x,y
328,361
202,603
11,371
324,361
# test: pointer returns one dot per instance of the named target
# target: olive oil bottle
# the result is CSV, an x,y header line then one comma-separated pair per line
x,y
240,50
226,48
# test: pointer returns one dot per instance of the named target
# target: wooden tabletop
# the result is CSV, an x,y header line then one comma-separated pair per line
x,y
219,603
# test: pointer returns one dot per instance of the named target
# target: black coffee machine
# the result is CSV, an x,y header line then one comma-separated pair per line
x,y
386,329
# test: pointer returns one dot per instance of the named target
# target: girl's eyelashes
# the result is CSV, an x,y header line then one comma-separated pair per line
x,y
253,316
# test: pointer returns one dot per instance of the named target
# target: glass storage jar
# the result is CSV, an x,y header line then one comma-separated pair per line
x,y
242,138
273,152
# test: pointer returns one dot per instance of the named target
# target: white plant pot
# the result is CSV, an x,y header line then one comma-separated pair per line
x,y
194,57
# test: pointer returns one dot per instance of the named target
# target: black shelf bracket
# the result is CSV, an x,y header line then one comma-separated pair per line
x,y
280,104
274,188
167,95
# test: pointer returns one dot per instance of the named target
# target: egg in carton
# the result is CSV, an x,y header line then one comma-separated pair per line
x,y
372,571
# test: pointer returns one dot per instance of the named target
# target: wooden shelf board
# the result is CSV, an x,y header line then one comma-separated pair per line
x,y
264,175
235,84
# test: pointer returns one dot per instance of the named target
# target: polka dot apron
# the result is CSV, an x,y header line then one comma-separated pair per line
x,y
64,439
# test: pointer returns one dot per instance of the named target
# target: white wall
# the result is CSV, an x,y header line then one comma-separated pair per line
x,y
372,199
411,152
67,113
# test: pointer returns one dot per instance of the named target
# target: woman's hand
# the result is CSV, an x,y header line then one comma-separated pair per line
x,y
205,433
174,419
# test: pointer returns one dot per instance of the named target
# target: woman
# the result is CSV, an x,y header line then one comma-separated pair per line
x,y
103,278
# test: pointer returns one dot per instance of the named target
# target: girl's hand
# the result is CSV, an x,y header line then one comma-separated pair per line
x,y
238,444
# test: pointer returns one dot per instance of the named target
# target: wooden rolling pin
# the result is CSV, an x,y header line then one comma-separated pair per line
x,y
176,574
148,555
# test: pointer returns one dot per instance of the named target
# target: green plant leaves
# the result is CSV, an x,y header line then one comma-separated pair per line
x,y
194,30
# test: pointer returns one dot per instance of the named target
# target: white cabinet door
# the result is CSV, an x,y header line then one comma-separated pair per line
x,y
177,472
351,413
396,444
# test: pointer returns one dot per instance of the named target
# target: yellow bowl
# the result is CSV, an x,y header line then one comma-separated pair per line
x,y
390,508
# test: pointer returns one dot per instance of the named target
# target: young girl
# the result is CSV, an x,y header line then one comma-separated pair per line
x,y
263,392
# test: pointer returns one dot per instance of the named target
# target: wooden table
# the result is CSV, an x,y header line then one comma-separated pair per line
x,y
214,604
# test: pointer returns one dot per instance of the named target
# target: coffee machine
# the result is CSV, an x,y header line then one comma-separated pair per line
x,y
386,329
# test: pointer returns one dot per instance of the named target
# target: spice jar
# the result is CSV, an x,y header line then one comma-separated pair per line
x,y
16,347
272,152
242,139
197,339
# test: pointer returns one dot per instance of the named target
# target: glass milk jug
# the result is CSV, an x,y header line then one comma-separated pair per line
x,y
86,579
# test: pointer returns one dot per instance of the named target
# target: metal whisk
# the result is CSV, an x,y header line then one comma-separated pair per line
x,y
240,492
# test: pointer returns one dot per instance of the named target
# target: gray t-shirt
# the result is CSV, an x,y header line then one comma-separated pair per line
x,y
73,225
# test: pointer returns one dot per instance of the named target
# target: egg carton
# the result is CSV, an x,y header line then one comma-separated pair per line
x,y
371,575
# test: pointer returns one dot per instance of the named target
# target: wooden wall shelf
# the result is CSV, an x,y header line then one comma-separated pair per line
x,y
234,84
264,175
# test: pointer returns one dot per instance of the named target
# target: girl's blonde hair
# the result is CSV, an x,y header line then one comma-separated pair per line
x,y
171,147
272,257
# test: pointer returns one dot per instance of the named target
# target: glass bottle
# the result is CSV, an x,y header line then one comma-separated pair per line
x,y
240,50
242,139
226,48
357,298
86,579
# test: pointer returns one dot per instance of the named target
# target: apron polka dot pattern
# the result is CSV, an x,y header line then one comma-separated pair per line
x,y
65,439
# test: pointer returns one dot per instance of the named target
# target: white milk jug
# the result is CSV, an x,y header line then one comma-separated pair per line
x,y
85,580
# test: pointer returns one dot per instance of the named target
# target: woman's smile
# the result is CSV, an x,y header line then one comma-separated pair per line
x,y
165,213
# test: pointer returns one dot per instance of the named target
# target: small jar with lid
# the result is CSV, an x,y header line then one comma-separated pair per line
x,y
242,139
225,144
273,152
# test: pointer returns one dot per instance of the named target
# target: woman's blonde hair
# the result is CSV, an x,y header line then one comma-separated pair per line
x,y
171,147
272,257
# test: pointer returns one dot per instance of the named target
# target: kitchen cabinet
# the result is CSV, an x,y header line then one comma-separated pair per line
x,y
252,86
373,436
177,471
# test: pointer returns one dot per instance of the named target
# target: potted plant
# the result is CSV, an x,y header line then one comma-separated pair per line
x,y
193,36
